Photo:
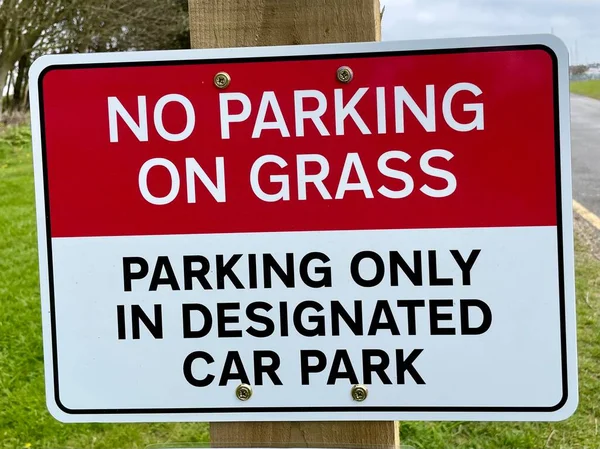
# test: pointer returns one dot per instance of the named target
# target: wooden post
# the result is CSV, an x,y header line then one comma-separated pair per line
x,y
251,23
248,23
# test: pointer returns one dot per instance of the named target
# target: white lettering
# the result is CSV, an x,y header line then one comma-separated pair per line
x,y
143,181
477,122
116,108
284,191
189,114
226,117
385,170
341,111
269,99
437,173
315,115
193,171
426,119
381,114
316,179
353,161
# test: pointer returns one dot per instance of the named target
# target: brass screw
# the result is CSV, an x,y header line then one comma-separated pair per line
x,y
243,392
359,393
345,74
222,80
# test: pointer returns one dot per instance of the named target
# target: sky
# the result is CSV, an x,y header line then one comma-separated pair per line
x,y
576,22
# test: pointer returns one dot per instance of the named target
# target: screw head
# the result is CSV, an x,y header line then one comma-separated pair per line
x,y
243,392
344,74
222,80
359,392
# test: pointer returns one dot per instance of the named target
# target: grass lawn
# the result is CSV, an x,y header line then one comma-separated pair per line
x,y
25,423
589,88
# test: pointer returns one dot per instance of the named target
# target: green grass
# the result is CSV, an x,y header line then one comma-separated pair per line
x,y
25,423
589,88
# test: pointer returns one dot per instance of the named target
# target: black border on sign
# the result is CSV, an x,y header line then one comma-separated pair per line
x,y
313,409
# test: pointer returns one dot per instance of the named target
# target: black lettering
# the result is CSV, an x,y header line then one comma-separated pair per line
x,y
121,330
379,269
223,319
225,270
306,368
189,273
270,369
188,332
252,271
319,329
465,266
383,310
325,272
163,263
154,327
406,365
465,328
266,321
433,274
283,318
414,274
340,358
411,307
233,360
187,369
435,317
370,367
129,275
271,265
355,324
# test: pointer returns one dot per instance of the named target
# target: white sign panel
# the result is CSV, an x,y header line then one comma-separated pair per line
x,y
393,245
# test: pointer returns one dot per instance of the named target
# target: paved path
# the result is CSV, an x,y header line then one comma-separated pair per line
x,y
585,136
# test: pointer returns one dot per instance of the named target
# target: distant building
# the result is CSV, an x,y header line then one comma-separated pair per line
x,y
593,72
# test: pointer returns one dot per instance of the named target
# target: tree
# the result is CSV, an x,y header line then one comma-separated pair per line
x,y
116,25
23,23
30,28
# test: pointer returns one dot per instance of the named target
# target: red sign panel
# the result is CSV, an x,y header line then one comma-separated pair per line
x,y
456,139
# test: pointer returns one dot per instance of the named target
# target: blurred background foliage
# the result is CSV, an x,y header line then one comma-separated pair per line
x,y
31,28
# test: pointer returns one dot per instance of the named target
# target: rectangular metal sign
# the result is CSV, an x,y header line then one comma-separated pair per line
x,y
341,232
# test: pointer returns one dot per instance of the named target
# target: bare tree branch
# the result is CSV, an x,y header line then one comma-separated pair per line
x,y
30,28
